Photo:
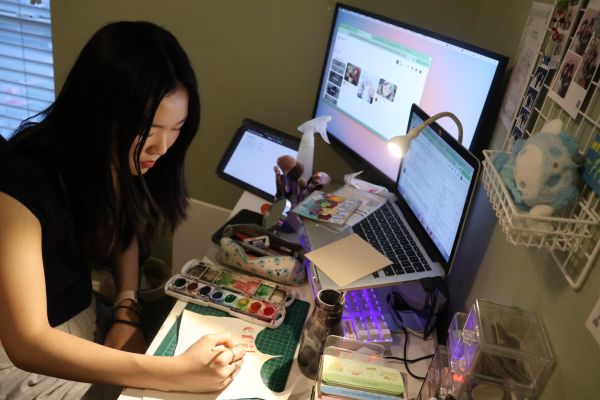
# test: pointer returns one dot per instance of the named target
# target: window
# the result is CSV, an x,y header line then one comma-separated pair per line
x,y
26,64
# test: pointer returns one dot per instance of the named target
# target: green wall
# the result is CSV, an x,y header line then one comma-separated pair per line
x,y
262,60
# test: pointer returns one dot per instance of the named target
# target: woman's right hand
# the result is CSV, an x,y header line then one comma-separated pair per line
x,y
201,370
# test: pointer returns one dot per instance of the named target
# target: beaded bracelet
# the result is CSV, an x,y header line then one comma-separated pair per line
x,y
122,321
131,308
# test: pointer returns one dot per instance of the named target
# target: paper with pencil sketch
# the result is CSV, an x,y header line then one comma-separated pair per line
x,y
248,383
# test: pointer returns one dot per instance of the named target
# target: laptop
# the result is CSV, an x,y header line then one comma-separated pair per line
x,y
420,229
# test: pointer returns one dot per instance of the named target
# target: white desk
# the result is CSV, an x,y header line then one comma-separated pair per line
x,y
302,391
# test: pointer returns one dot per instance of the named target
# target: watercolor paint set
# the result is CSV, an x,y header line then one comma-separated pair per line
x,y
252,299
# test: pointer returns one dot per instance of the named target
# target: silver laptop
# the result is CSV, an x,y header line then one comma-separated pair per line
x,y
420,225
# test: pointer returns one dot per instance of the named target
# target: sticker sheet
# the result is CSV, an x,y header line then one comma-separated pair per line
x,y
532,38
580,63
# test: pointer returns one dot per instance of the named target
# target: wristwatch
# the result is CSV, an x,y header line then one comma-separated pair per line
x,y
129,294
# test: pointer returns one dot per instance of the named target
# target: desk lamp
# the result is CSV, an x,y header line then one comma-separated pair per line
x,y
399,145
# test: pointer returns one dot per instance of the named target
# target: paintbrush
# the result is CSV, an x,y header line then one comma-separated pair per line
x,y
278,182
301,187
286,163
294,174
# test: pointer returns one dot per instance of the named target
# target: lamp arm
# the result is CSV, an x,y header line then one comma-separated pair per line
x,y
441,115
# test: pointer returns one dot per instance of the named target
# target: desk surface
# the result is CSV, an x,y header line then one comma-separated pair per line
x,y
302,391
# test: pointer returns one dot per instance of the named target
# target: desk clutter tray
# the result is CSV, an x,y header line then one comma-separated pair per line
x,y
252,299
282,341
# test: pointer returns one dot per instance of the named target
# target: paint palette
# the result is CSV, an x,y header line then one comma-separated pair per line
x,y
252,299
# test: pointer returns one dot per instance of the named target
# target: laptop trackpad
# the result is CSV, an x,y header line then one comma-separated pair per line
x,y
320,235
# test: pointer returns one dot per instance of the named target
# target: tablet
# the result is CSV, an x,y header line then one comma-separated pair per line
x,y
251,156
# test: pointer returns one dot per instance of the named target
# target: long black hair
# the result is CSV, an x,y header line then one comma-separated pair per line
x,y
107,105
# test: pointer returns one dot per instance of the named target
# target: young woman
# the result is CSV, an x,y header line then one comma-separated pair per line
x,y
102,168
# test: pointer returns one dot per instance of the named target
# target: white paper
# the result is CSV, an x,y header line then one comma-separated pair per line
x,y
527,53
370,203
573,78
593,322
352,180
248,383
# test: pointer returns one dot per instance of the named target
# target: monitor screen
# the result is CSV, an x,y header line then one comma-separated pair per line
x,y
256,153
376,68
434,181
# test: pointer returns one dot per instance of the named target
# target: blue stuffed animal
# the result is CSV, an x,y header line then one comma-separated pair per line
x,y
541,174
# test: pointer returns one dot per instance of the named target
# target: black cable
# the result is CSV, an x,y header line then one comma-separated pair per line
x,y
410,361
405,339
422,378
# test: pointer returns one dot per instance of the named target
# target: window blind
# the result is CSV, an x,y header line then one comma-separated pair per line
x,y
26,63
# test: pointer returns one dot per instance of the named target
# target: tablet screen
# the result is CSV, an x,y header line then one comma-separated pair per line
x,y
256,154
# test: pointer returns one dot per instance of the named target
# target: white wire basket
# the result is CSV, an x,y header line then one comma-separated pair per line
x,y
565,230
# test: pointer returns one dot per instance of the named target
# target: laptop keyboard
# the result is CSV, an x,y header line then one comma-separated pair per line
x,y
386,232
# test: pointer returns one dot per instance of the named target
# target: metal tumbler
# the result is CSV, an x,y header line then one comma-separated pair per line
x,y
325,320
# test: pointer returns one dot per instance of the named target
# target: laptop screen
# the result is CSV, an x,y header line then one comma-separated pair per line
x,y
434,181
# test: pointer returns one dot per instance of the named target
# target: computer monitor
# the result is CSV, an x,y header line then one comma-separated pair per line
x,y
376,68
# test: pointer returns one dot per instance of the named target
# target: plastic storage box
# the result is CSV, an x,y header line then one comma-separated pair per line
x,y
494,352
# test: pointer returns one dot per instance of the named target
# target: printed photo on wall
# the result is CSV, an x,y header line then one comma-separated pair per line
x,y
563,29
516,135
565,74
589,62
539,77
580,63
529,99
522,118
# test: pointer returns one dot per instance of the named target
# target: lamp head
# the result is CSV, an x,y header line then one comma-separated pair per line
x,y
399,145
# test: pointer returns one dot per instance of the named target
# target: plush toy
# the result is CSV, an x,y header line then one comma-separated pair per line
x,y
541,174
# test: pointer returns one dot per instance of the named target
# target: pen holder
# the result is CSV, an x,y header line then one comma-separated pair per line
x,y
286,268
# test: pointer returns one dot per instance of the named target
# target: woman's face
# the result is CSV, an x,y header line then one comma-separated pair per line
x,y
168,120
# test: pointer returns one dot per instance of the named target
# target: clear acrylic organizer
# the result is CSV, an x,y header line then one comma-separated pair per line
x,y
504,347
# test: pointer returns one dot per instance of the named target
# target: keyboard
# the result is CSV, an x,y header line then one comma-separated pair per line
x,y
386,232
363,318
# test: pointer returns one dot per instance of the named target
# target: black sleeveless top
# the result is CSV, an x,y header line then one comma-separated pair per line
x,y
36,185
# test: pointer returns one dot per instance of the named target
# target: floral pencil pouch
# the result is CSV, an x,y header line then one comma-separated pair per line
x,y
287,267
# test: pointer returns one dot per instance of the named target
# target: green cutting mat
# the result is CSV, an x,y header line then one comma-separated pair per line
x,y
276,342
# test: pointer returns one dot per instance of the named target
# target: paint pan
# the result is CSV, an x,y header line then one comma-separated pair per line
x,y
192,288
210,275
264,291
180,283
217,295
205,290
243,303
255,306
278,296
196,270
230,298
